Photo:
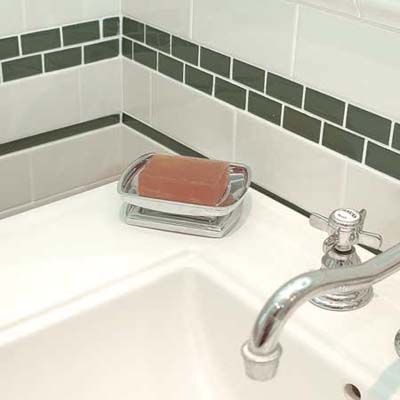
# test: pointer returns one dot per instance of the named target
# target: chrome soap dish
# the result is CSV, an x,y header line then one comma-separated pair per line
x,y
180,217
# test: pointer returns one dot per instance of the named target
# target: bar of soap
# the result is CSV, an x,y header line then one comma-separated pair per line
x,y
184,179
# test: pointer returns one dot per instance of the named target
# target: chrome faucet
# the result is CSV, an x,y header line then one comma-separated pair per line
x,y
342,284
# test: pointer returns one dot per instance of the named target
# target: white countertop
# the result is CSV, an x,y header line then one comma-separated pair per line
x,y
53,254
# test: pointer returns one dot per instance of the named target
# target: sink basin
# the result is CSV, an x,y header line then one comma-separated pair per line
x,y
173,332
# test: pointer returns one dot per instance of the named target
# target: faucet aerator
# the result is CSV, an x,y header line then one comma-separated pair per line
x,y
258,366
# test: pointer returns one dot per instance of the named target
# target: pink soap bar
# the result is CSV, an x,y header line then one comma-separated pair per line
x,y
184,179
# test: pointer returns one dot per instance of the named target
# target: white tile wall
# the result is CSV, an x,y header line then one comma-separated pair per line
x,y
39,104
136,90
386,12
261,31
75,162
101,89
349,59
290,166
14,180
193,118
46,13
50,101
380,195
342,6
11,17
172,15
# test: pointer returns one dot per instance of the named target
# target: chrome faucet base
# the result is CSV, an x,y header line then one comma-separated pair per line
x,y
345,301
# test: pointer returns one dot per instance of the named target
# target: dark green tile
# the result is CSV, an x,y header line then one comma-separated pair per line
x,y
302,124
40,41
62,133
249,75
127,48
230,93
22,68
325,106
383,160
158,39
62,59
396,137
145,55
111,26
133,29
101,51
215,62
80,33
198,79
185,50
9,48
343,142
170,67
265,108
368,124
284,89
159,137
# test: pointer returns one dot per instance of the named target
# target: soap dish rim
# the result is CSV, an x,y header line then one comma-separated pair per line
x,y
173,207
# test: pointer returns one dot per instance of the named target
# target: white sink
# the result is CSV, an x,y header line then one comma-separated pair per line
x,y
171,333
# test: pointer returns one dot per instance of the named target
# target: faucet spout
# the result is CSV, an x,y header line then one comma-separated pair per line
x,y
262,351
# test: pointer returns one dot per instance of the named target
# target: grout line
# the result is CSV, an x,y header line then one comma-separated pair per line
x,y
391,136
321,132
235,134
345,180
364,156
191,18
151,83
294,39
31,175
24,13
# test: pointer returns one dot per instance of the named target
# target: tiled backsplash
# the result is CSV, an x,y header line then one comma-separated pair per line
x,y
268,85
349,130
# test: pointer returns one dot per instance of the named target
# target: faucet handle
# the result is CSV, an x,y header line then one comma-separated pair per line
x,y
319,222
373,240
345,229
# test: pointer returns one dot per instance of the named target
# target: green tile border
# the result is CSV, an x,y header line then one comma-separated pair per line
x,y
58,134
49,50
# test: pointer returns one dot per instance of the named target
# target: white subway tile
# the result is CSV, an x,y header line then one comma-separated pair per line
x,y
193,118
172,15
386,12
11,18
15,188
136,90
39,104
76,162
260,31
103,154
47,13
100,8
101,89
342,6
290,166
58,167
349,59
46,102
134,145
380,196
